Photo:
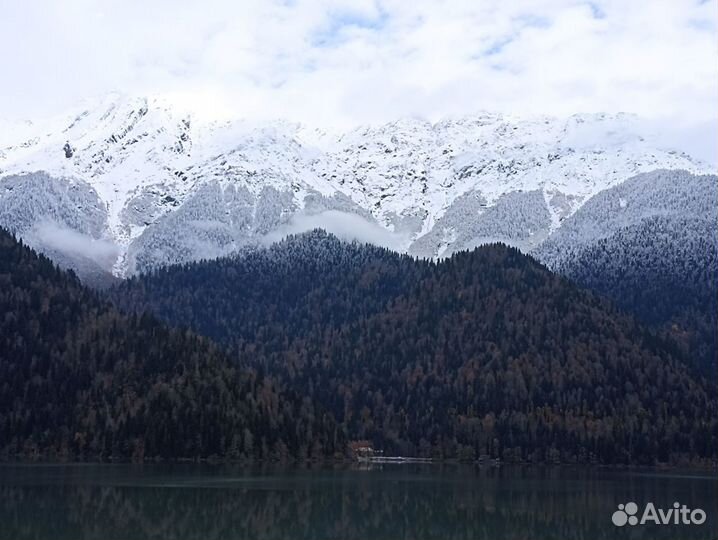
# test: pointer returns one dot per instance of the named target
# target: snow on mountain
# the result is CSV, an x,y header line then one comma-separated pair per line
x,y
670,196
165,187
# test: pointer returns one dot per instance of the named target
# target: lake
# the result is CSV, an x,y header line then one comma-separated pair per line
x,y
397,501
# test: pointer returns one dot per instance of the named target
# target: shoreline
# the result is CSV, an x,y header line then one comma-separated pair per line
x,y
348,462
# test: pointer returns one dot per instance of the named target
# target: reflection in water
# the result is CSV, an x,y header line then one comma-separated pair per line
x,y
111,502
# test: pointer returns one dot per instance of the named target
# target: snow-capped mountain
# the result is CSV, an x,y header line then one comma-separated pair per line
x,y
144,184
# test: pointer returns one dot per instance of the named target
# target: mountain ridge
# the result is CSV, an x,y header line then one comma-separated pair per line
x,y
170,188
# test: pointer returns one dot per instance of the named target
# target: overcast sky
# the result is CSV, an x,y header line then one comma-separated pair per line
x,y
344,62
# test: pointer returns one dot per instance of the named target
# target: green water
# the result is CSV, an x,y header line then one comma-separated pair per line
x,y
108,502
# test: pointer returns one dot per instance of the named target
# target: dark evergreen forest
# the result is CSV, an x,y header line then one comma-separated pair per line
x,y
486,353
665,272
80,380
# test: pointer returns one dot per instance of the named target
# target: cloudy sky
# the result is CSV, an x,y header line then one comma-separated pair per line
x,y
345,62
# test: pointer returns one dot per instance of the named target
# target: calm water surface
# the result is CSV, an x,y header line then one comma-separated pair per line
x,y
392,502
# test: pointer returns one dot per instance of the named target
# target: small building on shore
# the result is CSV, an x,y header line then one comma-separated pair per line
x,y
362,450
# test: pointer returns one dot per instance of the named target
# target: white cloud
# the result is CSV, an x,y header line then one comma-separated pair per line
x,y
344,226
346,62
71,242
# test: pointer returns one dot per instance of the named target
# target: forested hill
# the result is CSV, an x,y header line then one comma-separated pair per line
x,y
664,278
484,353
78,379
650,245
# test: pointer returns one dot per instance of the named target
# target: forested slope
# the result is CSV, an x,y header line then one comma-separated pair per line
x,y
484,353
650,245
78,379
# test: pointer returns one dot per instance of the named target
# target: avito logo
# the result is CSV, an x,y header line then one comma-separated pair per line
x,y
678,515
